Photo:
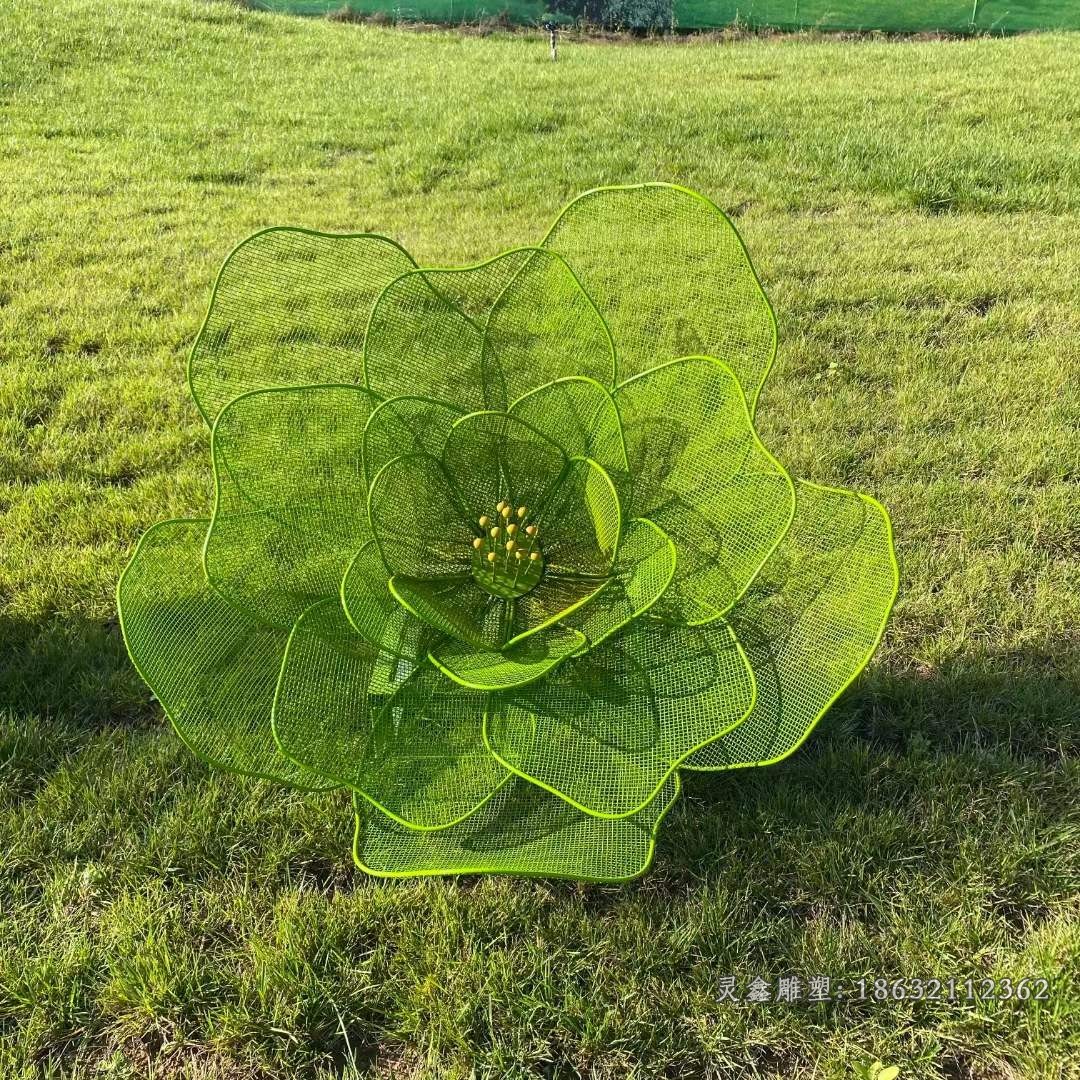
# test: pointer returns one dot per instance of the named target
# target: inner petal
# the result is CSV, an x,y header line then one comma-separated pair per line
x,y
491,457
582,522
420,528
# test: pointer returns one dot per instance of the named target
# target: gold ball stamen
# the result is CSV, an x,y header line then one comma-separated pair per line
x,y
508,541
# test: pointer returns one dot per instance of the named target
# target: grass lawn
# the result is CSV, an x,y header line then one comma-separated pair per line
x,y
914,211
956,16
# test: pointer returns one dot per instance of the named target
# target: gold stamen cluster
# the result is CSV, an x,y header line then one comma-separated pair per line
x,y
508,544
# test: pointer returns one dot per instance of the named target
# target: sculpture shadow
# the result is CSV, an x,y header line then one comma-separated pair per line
x,y
896,754
879,785
70,666
896,741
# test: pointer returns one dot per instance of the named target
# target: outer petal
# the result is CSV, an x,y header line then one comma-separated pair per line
x,y
671,278
411,744
810,622
522,830
482,335
419,341
289,509
212,667
544,327
374,613
606,731
419,522
580,416
290,306
699,471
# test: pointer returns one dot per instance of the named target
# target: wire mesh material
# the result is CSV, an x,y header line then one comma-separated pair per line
x,y
581,415
698,470
660,294
290,307
523,830
376,615
804,624
605,731
483,336
498,548
213,668
286,518
411,745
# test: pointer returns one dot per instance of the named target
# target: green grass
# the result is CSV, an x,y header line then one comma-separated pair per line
x,y
914,212
954,16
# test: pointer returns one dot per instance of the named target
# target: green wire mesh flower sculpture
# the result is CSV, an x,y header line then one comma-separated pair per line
x,y
497,547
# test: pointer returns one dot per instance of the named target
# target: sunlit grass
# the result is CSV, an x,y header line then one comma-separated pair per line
x,y
914,211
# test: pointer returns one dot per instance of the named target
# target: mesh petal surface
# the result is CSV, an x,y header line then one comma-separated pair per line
x,y
481,336
544,326
411,743
524,662
290,307
670,276
456,606
581,524
523,830
641,575
375,614
699,471
406,425
580,416
420,342
555,599
605,731
810,622
491,456
420,524
289,512
212,667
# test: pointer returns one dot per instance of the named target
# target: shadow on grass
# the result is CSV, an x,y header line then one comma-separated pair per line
x,y
893,744
70,666
963,775
63,680
1025,702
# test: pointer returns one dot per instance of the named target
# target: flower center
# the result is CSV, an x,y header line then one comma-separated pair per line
x,y
507,560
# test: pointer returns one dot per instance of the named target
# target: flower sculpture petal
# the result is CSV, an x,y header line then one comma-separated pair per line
x,y
498,548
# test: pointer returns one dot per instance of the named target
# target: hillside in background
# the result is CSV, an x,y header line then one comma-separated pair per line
x,y
912,16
